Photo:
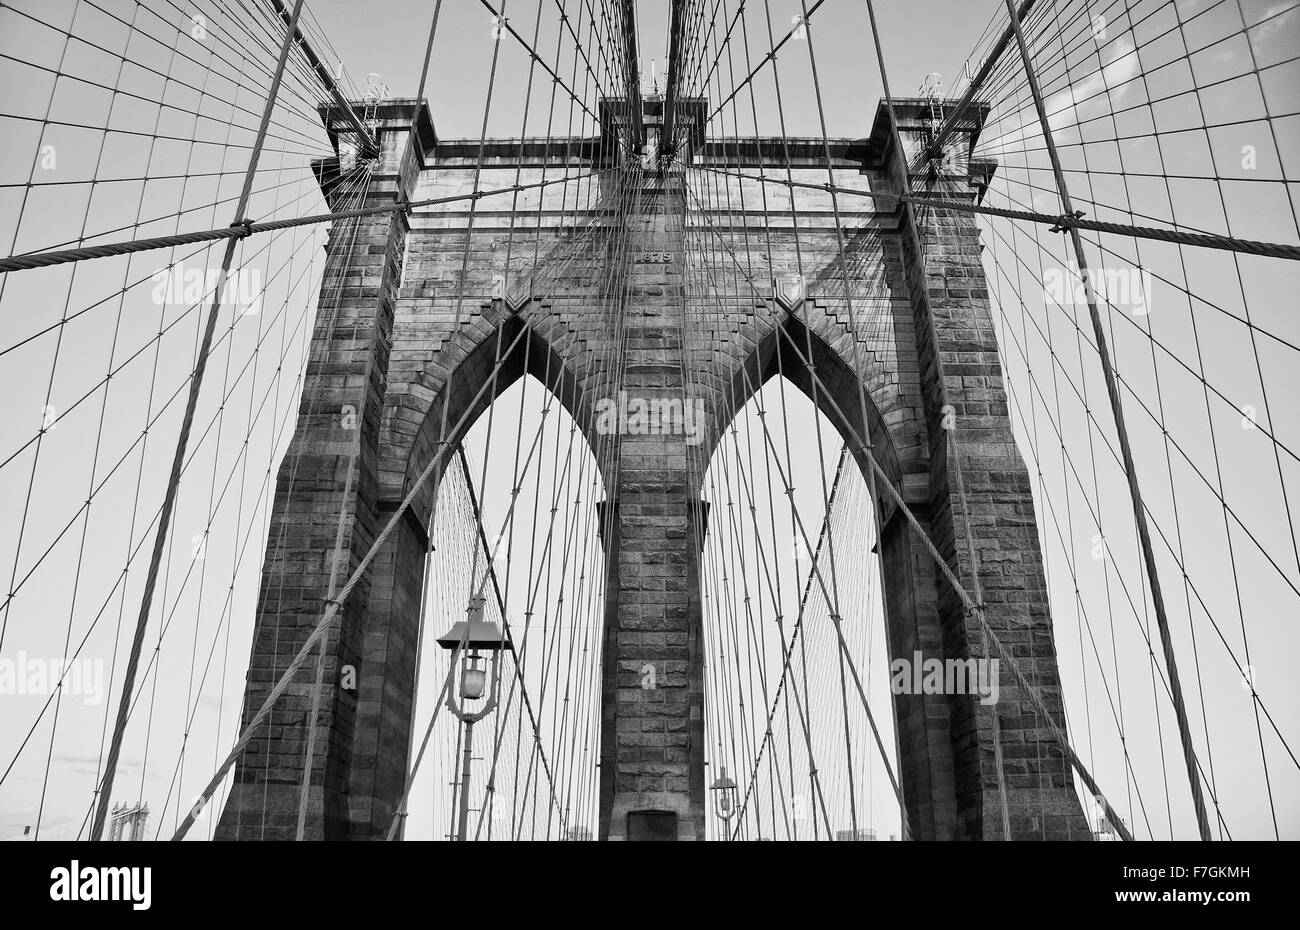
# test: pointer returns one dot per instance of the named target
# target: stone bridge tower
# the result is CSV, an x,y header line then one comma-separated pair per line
x,y
409,343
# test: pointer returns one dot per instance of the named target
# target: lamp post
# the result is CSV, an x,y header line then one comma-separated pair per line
x,y
724,800
466,640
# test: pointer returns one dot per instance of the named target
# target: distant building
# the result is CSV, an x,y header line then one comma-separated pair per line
x,y
863,834
1106,832
580,834
128,822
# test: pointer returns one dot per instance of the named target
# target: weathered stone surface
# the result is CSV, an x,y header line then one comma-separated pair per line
x,y
412,333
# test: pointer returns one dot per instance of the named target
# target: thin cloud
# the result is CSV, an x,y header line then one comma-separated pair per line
x,y
1085,99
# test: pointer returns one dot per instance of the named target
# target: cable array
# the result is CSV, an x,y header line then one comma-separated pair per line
x,y
1082,254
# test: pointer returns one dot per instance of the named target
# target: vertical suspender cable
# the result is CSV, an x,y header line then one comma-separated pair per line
x,y
196,384
1117,409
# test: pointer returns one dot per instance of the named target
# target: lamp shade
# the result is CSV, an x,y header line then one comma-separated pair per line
x,y
482,634
724,789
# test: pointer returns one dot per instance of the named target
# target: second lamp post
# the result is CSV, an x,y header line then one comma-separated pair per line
x,y
475,680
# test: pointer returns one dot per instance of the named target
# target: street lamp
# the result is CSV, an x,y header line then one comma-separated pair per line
x,y
468,638
724,800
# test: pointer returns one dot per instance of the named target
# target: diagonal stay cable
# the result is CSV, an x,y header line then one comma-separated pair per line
x,y
164,522
242,230
1067,222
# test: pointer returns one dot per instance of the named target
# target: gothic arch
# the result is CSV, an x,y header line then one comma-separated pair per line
x,y
912,622
459,375
835,390
458,372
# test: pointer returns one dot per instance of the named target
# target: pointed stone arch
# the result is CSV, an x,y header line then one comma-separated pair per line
x,y
478,362
788,346
801,347
466,368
